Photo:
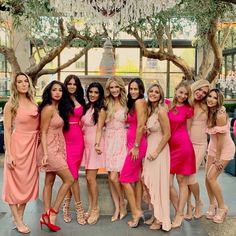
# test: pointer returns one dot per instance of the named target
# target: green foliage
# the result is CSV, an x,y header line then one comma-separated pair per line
x,y
230,107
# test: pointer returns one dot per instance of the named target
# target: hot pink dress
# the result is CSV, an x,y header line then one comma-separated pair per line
x,y
21,185
74,142
56,146
115,148
130,172
91,159
182,156
156,174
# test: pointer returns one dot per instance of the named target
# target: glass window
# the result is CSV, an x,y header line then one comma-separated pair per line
x,y
94,59
175,79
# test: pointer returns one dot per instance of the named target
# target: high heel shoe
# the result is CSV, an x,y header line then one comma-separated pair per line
x,y
220,215
150,220
45,220
115,217
94,216
198,206
124,213
66,210
189,217
23,229
211,212
178,221
134,223
155,225
80,213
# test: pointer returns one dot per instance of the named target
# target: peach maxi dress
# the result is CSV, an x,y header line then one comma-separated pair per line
x,y
156,174
21,185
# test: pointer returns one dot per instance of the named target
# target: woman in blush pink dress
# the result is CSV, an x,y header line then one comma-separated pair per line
x,y
198,136
74,146
115,151
137,145
182,157
221,150
156,168
92,161
52,149
21,128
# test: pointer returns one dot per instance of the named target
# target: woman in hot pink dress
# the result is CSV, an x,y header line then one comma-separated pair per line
x,y
221,150
198,136
156,168
182,157
92,161
74,146
21,128
137,145
115,149
52,150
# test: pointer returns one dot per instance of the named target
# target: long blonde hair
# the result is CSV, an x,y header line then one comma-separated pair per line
x,y
14,98
186,85
109,100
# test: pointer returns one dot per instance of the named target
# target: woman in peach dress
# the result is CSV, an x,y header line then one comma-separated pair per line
x,y
198,136
156,168
21,128
114,119
221,150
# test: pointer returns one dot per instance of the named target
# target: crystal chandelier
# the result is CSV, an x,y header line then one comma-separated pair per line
x,y
117,13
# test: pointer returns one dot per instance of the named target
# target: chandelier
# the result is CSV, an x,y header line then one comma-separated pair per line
x,y
117,13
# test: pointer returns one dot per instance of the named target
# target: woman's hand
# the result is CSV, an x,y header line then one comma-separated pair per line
x,y
10,162
134,153
152,156
219,165
44,160
98,149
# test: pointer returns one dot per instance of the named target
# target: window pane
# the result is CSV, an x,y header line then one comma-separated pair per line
x,y
94,59
175,79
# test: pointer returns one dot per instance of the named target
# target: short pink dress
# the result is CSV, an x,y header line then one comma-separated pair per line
x,y
156,174
228,149
91,159
131,170
182,156
198,137
115,148
56,146
74,142
21,184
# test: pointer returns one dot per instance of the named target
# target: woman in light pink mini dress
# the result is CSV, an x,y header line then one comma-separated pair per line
x,y
198,136
221,150
21,132
115,149
92,161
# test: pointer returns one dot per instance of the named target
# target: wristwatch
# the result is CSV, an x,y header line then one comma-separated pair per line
x,y
136,145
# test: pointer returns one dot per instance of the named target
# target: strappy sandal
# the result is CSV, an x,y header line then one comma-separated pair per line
x,y
80,213
211,212
66,210
94,216
220,215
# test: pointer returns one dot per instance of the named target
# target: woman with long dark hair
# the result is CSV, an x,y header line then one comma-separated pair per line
x,y
92,161
221,150
74,146
137,145
52,149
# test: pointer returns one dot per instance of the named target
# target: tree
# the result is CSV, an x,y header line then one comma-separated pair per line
x,y
48,31
161,27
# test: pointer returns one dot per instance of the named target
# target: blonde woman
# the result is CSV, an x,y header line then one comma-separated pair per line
x,y
198,136
221,150
21,128
115,140
156,168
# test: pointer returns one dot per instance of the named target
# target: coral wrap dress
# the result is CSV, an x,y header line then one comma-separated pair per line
x,y
21,184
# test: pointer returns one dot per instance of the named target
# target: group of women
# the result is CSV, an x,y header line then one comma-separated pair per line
x,y
142,144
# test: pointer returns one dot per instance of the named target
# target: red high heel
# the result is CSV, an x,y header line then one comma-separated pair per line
x,y
45,220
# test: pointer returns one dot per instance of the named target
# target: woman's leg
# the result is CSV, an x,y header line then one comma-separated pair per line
x,y
195,189
138,194
173,193
189,212
66,207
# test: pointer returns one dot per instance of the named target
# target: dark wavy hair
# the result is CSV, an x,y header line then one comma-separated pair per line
x,y
99,104
130,103
63,105
79,93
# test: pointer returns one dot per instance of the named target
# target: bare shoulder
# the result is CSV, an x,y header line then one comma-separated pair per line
x,y
49,109
140,102
7,106
162,111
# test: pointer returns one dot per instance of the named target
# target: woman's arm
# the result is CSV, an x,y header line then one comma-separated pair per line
x,y
141,110
7,119
46,116
100,125
165,126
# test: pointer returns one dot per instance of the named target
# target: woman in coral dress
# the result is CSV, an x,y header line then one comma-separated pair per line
x,y
156,168
52,149
21,128
74,146
182,156
92,161
221,150
198,136
137,145
115,150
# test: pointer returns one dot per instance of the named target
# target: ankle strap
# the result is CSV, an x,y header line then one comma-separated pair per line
x,y
53,211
